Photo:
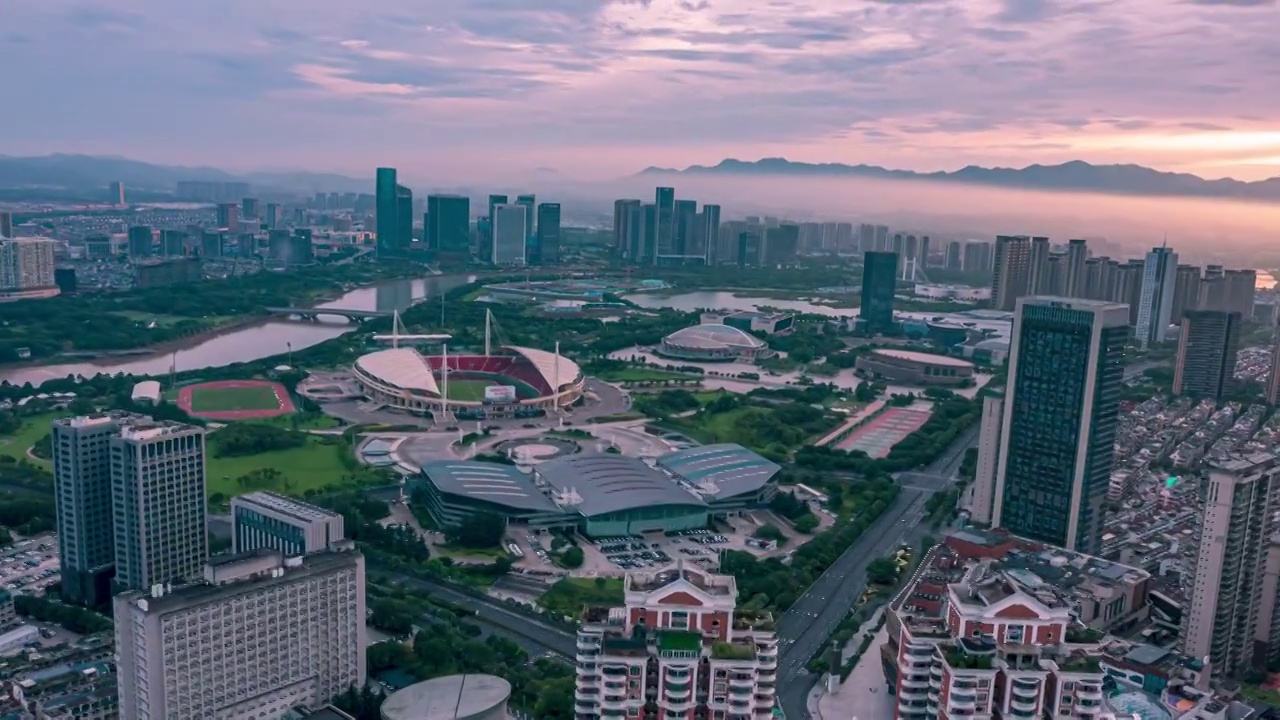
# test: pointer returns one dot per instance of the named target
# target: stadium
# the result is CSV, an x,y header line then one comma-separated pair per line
x,y
915,368
603,495
514,381
713,342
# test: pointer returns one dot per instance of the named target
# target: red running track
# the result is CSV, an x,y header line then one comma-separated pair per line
x,y
282,399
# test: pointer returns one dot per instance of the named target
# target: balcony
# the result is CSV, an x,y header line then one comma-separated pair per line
x,y
1026,708
678,694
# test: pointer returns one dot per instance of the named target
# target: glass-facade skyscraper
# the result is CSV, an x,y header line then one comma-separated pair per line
x,y
549,233
448,224
387,211
879,280
82,479
1155,304
664,228
1066,373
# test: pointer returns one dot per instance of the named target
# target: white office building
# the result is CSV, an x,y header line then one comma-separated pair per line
x,y
509,239
261,635
267,520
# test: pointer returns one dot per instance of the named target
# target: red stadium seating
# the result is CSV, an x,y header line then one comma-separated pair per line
x,y
515,368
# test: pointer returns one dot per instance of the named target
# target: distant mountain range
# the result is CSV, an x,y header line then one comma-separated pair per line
x,y
1076,176
85,173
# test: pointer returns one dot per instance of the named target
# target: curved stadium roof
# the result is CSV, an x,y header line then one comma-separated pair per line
x,y
495,483
713,336
402,367
613,483
546,365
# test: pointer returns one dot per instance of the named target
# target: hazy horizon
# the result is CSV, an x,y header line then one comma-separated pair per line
x,y
461,91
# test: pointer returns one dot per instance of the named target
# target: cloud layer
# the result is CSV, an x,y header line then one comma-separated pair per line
x,y
472,89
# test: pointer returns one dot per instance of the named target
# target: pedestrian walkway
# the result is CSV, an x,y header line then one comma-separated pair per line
x,y
863,695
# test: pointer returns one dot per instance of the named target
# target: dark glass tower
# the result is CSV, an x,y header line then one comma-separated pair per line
x,y
879,280
530,203
549,233
404,219
448,227
664,230
1207,350
1066,373
686,224
710,222
387,211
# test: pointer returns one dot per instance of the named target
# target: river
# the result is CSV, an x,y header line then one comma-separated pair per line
x,y
272,337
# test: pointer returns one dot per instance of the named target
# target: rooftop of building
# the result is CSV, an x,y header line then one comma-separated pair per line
x,y
759,315
707,582
447,698
714,336
284,505
922,357
496,483
596,484
164,599
721,470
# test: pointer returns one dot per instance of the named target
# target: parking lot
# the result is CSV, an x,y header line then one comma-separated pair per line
x,y
30,566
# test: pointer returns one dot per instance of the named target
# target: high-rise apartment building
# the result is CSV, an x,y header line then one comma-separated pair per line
x,y
626,227
115,193
268,520
1273,378
981,493
260,635
1077,254
250,208
404,220
228,217
1207,347
1011,271
1233,616
26,264
685,221
977,257
881,238
879,282
1186,290
6,224
679,644
1128,287
866,237
1066,374
509,241
386,211
781,245
548,233
530,203
1241,287
448,225
1155,306
955,257
81,451
158,500
173,243
1214,293
141,241
274,216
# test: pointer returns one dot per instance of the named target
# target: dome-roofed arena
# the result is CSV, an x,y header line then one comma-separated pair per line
x,y
507,381
712,342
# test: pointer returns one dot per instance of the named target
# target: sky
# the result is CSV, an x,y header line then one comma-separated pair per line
x,y
477,89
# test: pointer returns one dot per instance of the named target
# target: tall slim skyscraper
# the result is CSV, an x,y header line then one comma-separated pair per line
x,y
1186,290
1155,307
1011,271
6,224
250,208
158,497
879,282
404,220
27,264
881,238
977,257
141,242
387,211
548,233
1038,267
530,203
115,193
709,221
648,233
1207,349
954,261
509,242
866,237
1077,254
255,637
1066,373
448,221
983,489
82,483
686,228
1273,378
1241,287
664,238
1232,618
625,221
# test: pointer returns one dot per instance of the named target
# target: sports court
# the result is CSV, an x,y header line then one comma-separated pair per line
x,y
885,430
469,389
235,400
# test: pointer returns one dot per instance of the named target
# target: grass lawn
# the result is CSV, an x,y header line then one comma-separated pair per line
x,y
314,465
302,421
33,428
469,390
644,375
226,399
568,596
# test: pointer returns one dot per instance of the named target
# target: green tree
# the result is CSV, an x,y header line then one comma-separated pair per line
x,y
479,530
882,571
572,557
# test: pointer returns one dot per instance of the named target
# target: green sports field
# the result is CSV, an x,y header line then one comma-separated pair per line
x,y
469,390
215,399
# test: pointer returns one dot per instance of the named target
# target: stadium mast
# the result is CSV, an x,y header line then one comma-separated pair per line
x,y
488,326
555,376
444,373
